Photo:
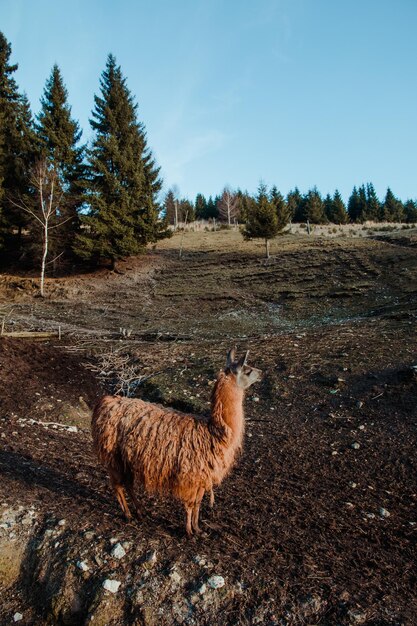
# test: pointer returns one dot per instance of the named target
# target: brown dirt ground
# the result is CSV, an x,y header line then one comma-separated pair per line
x,y
298,524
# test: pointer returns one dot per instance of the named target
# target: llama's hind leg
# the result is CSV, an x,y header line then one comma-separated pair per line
x,y
196,509
132,495
117,485
188,525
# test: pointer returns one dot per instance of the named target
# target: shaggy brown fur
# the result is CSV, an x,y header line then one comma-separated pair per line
x,y
168,452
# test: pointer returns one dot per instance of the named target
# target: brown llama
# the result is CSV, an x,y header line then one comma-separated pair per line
x,y
169,452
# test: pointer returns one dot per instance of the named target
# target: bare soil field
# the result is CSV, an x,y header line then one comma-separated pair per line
x,y
317,522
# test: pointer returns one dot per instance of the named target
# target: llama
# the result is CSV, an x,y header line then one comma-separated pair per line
x,y
169,452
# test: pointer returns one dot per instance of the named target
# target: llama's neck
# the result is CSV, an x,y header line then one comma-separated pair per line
x,y
227,406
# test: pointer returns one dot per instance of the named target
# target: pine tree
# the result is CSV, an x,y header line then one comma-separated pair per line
x,y
295,203
338,214
171,208
410,210
362,205
212,210
314,209
59,136
281,207
243,203
200,207
392,209
262,222
17,150
373,205
186,212
124,180
354,205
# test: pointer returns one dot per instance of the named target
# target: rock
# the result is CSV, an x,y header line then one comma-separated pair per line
x,y
150,557
82,565
202,589
359,404
383,512
17,617
353,485
118,551
199,560
111,585
355,445
175,577
255,399
72,429
216,582
62,522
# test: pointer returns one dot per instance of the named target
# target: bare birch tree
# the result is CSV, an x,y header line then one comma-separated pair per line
x,y
45,211
228,206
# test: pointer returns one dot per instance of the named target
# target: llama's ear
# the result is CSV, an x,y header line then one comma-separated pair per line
x,y
231,358
242,360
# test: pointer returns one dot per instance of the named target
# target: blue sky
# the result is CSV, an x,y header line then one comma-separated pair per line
x,y
293,92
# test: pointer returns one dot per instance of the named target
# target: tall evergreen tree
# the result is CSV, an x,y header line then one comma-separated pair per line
x,y
262,222
243,201
281,207
362,205
186,211
295,203
392,209
354,205
410,210
212,210
338,213
373,205
124,180
314,209
200,207
16,148
170,208
59,137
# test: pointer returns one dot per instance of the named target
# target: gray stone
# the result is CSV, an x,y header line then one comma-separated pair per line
x,y
111,585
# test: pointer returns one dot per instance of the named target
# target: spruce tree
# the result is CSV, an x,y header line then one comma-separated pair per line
x,y
186,212
262,221
243,204
124,180
17,150
392,209
281,207
170,208
373,205
295,203
410,210
354,205
200,207
314,209
59,136
339,213
212,210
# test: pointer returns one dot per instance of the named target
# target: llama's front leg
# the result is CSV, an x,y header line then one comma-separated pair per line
x,y
211,498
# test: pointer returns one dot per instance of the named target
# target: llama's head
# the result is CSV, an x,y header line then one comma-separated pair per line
x,y
245,375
